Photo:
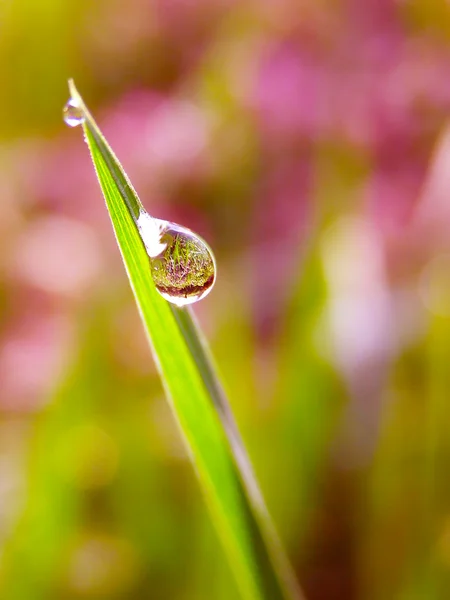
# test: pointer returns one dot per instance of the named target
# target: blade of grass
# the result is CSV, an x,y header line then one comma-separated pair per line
x,y
196,397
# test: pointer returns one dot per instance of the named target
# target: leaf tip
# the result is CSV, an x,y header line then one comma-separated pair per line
x,y
73,90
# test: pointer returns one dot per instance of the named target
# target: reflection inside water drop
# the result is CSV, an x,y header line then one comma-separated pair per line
x,y
182,264
73,114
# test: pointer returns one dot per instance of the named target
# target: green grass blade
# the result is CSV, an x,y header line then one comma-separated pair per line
x,y
196,398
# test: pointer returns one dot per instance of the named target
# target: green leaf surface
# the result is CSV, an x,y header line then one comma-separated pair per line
x,y
196,397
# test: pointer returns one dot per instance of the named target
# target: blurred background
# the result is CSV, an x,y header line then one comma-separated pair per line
x,y
307,141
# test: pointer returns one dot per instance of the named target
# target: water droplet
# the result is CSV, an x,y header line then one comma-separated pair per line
x,y
182,264
73,114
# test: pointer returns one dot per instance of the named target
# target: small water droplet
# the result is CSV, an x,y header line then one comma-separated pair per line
x,y
73,114
181,263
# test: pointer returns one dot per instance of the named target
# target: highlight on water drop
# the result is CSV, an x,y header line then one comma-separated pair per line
x,y
182,264
72,114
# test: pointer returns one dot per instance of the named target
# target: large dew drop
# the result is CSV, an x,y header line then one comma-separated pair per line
x,y
73,114
182,264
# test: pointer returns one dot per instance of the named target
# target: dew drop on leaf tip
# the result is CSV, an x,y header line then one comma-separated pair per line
x,y
73,114
181,263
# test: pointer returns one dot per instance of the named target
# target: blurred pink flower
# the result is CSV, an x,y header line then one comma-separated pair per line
x,y
32,359
58,255
288,97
